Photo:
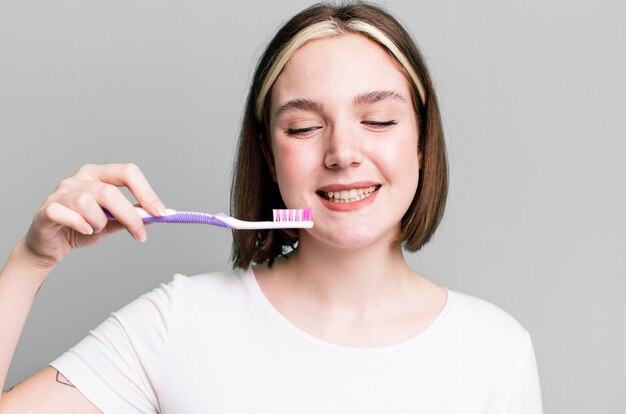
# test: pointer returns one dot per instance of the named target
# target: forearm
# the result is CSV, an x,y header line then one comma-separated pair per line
x,y
20,280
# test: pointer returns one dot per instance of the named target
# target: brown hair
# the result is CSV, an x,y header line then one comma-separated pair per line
x,y
254,193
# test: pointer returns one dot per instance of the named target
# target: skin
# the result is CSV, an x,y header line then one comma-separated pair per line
x,y
69,218
347,283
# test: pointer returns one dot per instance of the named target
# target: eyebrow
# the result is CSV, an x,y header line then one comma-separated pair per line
x,y
299,105
377,96
361,99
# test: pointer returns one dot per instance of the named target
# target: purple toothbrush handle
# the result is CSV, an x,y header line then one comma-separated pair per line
x,y
146,219
181,217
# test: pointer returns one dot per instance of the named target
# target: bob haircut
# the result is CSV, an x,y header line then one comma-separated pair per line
x,y
254,193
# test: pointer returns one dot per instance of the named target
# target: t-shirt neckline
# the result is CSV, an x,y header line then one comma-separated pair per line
x,y
253,284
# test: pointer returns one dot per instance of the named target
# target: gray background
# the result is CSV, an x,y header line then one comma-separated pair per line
x,y
532,96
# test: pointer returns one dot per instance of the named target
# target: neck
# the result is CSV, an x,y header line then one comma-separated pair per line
x,y
358,280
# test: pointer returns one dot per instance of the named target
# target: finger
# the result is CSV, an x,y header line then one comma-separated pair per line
x,y
111,198
113,226
128,175
86,205
79,240
79,190
55,214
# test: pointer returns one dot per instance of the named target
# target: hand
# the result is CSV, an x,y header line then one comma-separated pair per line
x,y
72,215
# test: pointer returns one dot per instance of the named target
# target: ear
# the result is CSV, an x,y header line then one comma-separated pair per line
x,y
268,155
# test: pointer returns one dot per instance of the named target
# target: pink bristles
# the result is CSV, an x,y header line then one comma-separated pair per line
x,y
293,214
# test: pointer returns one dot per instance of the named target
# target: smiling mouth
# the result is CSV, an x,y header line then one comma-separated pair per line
x,y
348,196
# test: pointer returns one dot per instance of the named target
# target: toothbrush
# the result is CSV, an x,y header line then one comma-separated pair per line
x,y
283,219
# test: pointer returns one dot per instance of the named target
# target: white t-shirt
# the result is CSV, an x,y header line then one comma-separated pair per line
x,y
214,344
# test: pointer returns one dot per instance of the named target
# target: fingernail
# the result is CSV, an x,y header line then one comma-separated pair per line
x,y
160,208
87,230
141,236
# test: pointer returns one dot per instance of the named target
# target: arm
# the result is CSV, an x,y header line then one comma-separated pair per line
x,y
46,392
71,217
524,395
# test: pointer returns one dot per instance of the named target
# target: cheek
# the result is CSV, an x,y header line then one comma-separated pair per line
x,y
403,154
293,164
408,164
403,169
401,158
286,159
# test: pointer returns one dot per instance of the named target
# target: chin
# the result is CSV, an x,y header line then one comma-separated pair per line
x,y
353,240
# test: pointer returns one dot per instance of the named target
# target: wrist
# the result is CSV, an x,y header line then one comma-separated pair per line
x,y
25,262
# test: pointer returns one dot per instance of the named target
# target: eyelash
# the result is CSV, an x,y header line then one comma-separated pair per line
x,y
373,124
380,124
300,131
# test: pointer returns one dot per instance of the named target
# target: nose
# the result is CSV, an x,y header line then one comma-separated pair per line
x,y
343,148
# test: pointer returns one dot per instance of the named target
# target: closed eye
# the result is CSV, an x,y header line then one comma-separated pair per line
x,y
380,124
301,132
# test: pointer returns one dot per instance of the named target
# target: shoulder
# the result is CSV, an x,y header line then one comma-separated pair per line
x,y
480,313
486,326
206,292
197,285
223,280
184,293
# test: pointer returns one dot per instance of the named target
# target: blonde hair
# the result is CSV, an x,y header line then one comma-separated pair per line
x,y
332,28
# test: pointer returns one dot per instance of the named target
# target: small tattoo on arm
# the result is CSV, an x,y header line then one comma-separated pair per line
x,y
62,380
10,389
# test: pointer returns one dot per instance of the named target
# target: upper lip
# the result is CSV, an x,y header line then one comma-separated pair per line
x,y
349,186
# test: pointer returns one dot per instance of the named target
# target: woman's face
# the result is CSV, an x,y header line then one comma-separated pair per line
x,y
344,140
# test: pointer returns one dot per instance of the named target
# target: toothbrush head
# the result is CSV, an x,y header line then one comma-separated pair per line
x,y
303,214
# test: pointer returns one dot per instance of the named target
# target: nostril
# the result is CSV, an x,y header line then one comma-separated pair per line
x,y
343,159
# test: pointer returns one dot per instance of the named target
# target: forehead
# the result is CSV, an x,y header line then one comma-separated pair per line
x,y
339,66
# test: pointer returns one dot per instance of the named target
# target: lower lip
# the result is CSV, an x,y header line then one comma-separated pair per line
x,y
349,206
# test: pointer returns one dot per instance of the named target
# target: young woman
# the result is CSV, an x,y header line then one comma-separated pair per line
x,y
341,117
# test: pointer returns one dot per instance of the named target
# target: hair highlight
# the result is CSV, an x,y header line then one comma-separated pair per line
x,y
329,28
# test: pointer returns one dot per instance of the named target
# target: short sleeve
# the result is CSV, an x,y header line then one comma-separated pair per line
x,y
116,366
524,395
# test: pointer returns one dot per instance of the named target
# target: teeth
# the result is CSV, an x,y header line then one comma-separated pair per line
x,y
350,196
